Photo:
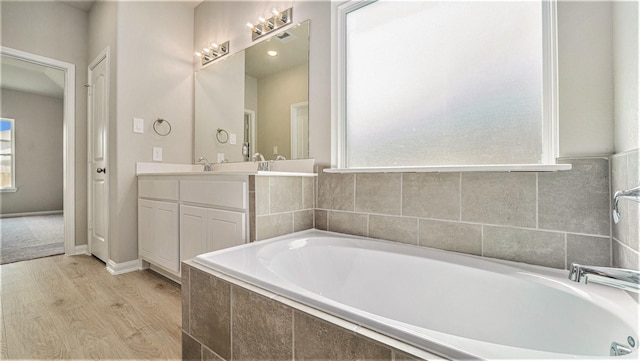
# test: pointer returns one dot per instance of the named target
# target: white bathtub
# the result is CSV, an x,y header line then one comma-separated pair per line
x,y
453,305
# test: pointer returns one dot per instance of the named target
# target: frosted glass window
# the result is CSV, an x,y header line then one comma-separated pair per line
x,y
444,83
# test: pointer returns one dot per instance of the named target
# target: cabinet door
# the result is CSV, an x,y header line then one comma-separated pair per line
x,y
193,231
158,236
224,229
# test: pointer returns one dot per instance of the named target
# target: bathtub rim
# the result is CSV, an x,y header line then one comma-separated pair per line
x,y
437,347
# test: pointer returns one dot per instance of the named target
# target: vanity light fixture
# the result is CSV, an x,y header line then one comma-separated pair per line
x,y
212,52
265,26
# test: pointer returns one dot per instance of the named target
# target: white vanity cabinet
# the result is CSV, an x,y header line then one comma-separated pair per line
x,y
181,216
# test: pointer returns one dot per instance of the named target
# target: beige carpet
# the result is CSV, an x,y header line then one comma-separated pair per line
x,y
24,238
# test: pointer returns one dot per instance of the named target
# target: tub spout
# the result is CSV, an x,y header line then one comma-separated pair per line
x,y
633,194
626,279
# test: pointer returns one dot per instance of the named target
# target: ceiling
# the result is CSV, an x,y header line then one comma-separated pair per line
x,y
292,48
31,78
84,5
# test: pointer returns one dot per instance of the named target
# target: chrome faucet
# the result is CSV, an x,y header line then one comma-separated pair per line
x,y
633,194
626,279
255,157
207,165
280,157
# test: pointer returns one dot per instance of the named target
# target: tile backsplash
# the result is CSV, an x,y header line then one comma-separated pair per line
x,y
545,218
625,174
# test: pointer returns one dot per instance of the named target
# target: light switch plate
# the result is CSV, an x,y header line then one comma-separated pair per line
x,y
157,154
232,138
138,125
275,150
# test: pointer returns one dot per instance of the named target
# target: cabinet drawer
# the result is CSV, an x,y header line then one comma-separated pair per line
x,y
215,193
158,189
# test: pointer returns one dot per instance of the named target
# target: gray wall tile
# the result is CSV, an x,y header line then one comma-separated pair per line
x,y
523,245
619,181
451,236
302,220
345,222
624,257
262,328
319,340
576,200
336,191
308,192
262,195
210,316
431,195
286,194
191,349
208,355
273,225
320,221
593,251
399,229
379,193
499,198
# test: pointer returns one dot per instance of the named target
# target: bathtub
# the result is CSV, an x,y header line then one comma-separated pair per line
x,y
452,305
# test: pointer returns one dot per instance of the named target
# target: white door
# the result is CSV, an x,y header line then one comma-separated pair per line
x,y
98,187
300,131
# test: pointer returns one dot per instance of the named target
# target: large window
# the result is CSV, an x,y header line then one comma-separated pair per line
x,y
7,154
432,83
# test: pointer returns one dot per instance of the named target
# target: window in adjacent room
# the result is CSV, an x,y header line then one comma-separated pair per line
x,y
7,154
433,83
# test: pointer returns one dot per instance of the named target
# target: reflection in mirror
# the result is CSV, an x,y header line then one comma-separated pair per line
x,y
260,96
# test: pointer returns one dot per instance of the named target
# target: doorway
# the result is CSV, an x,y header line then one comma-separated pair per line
x,y
67,84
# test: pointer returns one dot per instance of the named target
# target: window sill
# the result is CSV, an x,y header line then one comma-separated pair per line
x,y
457,168
8,190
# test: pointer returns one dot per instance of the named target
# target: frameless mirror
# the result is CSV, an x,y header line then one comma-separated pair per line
x,y
256,101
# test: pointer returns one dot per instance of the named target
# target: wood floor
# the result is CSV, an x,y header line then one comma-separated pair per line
x,y
70,307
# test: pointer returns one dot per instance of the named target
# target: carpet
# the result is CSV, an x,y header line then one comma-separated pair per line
x,y
24,238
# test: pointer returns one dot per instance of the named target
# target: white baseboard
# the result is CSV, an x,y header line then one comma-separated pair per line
x,y
83,249
27,214
124,267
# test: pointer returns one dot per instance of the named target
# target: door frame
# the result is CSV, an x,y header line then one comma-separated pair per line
x,y
68,135
104,55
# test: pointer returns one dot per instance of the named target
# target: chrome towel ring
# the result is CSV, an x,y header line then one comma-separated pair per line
x,y
222,136
160,128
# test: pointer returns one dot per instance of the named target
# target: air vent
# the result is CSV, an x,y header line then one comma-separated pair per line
x,y
285,37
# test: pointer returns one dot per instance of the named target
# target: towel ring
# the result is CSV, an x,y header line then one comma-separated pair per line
x,y
222,138
159,124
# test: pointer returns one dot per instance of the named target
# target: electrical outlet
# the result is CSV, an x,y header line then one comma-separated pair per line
x,y
157,154
275,150
220,157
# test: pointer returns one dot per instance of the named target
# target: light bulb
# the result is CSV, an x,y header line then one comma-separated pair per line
x,y
261,19
250,26
198,54
206,50
275,12
214,45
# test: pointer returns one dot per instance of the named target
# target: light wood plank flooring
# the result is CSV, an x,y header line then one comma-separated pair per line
x,y
70,307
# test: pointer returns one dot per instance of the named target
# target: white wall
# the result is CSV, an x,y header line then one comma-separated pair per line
x,y
39,146
155,80
221,21
58,31
627,75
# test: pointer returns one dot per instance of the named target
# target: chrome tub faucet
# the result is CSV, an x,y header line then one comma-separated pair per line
x,y
626,279
633,194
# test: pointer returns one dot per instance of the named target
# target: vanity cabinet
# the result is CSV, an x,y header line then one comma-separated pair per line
x,y
205,230
158,233
181,216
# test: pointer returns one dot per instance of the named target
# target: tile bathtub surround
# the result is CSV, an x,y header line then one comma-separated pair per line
x,y
625,174
542,218
282,204
263,328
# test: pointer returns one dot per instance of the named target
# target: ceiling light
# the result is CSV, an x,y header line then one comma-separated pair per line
x,y
272,53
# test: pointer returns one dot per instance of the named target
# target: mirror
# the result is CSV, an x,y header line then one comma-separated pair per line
x,y
255,101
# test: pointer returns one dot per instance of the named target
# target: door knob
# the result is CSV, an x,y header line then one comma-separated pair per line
x,y
102,170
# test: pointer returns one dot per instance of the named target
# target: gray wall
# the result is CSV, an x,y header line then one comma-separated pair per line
x,y
57,31
39,150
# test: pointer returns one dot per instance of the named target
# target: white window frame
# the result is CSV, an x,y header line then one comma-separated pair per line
x,y
550,137
13,187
